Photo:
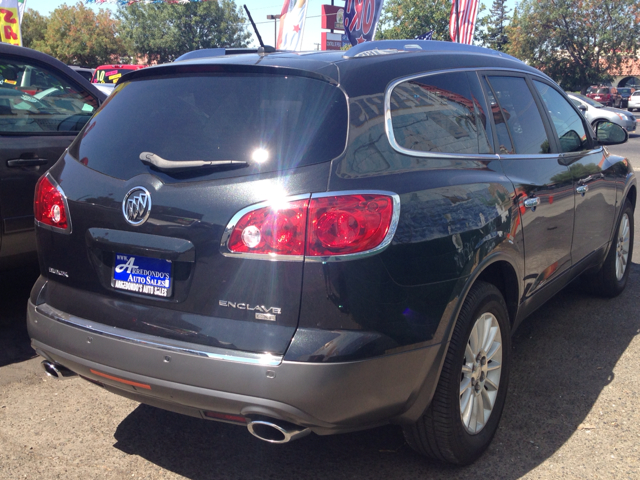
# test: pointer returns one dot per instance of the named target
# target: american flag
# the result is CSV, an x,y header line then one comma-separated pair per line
x,y
425,36
466,11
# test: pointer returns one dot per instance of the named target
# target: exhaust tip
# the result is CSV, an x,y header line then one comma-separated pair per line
x,y
55,370
276,431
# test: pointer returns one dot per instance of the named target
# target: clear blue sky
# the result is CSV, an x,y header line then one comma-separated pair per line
x,y
259,10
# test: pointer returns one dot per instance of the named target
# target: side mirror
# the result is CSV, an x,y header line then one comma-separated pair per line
x,y
582,108
609,133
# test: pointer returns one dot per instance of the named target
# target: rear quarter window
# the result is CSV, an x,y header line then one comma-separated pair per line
x,y
440,113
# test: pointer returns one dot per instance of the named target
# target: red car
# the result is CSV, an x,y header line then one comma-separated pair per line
x,y
608,96
112,73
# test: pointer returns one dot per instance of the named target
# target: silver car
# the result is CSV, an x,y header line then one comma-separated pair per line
x,y
595,111
634,101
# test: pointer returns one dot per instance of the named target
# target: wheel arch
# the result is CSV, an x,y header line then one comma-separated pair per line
x,y
632,195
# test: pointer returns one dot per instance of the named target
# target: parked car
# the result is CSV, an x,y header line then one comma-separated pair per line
x,y
43,105
634,101
112,73
608,96
325,242
106,88
596,112
625,93
86,73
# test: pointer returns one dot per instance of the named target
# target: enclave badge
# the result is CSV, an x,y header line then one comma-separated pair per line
x,y
136,206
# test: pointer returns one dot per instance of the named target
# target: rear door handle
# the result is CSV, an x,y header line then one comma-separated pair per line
x,y
26,162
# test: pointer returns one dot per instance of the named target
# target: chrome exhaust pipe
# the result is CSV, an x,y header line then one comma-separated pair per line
x,y
56,370
276,431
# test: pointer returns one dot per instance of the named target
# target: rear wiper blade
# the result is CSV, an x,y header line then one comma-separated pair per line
x,y
160,163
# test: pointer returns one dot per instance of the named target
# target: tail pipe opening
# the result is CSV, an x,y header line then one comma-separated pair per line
x,y
56,370
276,431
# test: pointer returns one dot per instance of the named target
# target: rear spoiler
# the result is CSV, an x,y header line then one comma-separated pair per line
x,y
220,52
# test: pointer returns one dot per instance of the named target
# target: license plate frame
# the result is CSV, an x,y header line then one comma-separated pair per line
x,y
137,274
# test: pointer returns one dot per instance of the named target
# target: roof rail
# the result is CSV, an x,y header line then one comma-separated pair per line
x,y
221,52
386,47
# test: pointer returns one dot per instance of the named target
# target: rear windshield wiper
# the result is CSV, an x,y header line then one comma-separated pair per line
x,y
160,163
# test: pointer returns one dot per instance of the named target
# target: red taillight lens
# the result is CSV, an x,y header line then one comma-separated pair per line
x,y
273,230
49,206
324,226
346,224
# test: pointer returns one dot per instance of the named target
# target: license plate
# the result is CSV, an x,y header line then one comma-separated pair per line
x,y
144,275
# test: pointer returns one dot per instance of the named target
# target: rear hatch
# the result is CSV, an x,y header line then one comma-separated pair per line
x,y
275,132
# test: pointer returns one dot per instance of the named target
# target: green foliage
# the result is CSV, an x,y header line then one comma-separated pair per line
x,y
494,35
575,42
76,35
402,19
163,32
33,28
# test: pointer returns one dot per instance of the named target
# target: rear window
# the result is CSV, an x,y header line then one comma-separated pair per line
x,y
110,75
602,90
624,91
273,122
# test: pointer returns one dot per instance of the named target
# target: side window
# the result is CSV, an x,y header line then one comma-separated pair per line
x,y
500,120
522,115
569,127
35,100
439,113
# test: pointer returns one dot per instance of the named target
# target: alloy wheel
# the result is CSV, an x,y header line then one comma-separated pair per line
x,y
622,247
480,376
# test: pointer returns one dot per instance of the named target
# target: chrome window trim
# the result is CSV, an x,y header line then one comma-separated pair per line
x,y
395,218
141,339
386,241
388,125
69,229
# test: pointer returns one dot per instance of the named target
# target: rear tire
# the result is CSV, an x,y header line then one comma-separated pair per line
x,y
612,277
459,424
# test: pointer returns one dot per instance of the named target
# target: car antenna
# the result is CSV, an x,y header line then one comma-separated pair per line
x,y
264,49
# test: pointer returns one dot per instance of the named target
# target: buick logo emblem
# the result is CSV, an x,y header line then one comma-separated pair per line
x,y
136,205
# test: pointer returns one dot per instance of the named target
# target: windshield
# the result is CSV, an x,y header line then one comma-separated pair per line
x,y
587,100
271,122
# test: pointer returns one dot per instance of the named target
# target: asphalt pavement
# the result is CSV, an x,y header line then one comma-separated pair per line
x,y
572,410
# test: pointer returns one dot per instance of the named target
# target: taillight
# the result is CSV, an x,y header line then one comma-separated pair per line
x,y
50,206
271,230
347,224
325,226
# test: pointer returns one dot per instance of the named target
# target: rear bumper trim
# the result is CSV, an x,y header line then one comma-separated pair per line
x,y
264,359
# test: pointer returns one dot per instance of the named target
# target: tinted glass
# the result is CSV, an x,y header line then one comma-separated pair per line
x,y
624,91
602,90
569,127
521,114
35,100
438,113
272,122
504,139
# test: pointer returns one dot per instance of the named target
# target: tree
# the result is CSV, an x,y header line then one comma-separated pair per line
x,y
497,20
162,32
77,35
575,42
409,18
33,28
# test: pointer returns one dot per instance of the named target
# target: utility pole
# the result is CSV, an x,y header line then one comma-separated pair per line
x,y
275,28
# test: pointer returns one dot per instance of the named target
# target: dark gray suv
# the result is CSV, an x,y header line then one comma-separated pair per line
x,y
325,242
